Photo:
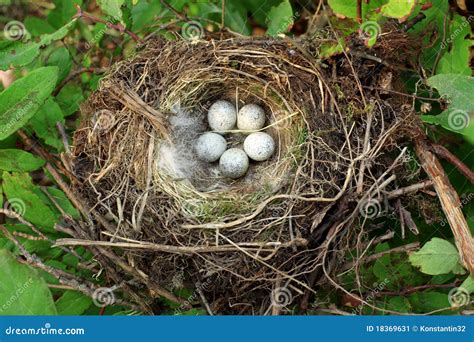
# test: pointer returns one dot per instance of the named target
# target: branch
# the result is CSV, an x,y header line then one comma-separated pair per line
x,y
119,27
449,199
444,153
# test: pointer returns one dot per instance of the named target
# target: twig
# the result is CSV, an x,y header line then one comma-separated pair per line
x,y
359,11
264,247
403,94
410,290
401,249
75,74
62,133
419,17
119,27
444,153
223,14
172,9
409,189
449,199
204,301
63,277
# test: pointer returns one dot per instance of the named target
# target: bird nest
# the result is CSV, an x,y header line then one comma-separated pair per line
x,y
248,244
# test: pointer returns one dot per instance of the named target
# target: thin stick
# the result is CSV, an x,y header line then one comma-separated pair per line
x,y
401,249
264,247
119,27
409,189
444,153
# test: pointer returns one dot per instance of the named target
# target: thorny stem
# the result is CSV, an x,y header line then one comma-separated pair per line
x,y
119,27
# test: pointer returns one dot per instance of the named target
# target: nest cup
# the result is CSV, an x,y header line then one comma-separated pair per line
x,y
237,236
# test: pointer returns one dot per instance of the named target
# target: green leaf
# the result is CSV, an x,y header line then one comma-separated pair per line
x,y
399,9
457,48
280,19
20,54
468,284
69,98
62,200
62,59
19,161
235,17
20,101
72,303
330,49
46,39
44,123
437,256
399,304
112,8
22,290
459,116
260,9
349,8
20,192
17,53
63,12
429,301
37,26
144,13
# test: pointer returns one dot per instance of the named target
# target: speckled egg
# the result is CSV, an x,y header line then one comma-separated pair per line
x,y
210,146
259,146
222,116
234,163
250,117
